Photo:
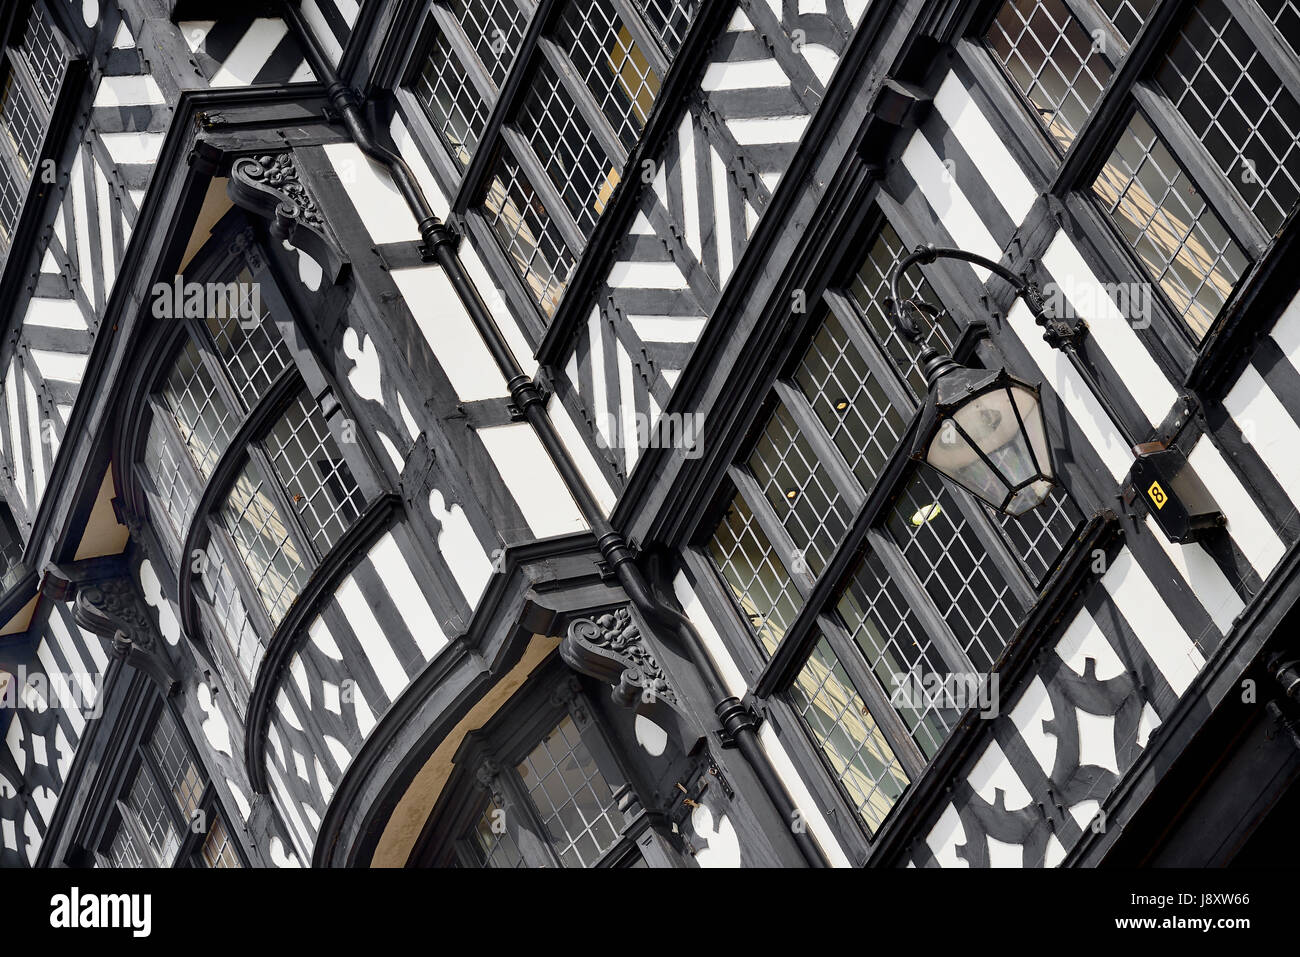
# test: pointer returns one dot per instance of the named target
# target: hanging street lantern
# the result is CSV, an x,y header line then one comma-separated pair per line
x,y
982,428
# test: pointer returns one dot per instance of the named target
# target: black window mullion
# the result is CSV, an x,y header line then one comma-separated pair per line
x,y
556,209
1215,187
828,455
1270,42
901,573
786,548
874,695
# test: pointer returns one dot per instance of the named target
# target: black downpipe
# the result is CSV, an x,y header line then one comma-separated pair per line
x,y
738,722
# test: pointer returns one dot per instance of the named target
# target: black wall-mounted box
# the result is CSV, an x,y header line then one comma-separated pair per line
x,y
1174,495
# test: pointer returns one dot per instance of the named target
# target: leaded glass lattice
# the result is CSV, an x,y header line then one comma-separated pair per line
x,y
757,578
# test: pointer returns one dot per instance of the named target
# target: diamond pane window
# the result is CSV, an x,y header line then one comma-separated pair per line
x,y
217,848
262,539
898,651
527,234
870,289
154,819
241,638
491,845
1238,108
453,105
796,485
567,148
1053,61
575,803
21,124
1039,536
1169,225
611,64
1128,16
670,20
201,415
42,54
1285,15
173,492
495,28
177,766
759,581
311,469
942,547
247,341
838,720
849,402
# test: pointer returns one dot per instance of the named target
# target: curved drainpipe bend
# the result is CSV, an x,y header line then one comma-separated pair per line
x,y
739,723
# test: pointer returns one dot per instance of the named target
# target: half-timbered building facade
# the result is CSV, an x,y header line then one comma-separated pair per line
x,y
476,433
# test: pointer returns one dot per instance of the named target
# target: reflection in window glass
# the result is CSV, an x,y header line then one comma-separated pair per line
x,y
1163,217
1238,108
249,346
489,840
611,64
757,578
262,540
571,795
527,234
839,722
217,849
1053,61
898,651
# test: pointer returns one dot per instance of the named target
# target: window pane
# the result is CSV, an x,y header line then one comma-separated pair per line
x,y
201,415
250,346
1039,536
495,28
154,820
1127,15
527,234
1052,60
1167,222
313,473
11,201
178,768
21,124
567,148
124,852
757,578
217,848
42,54
839,722
849,402
898,651
163,468
870,288
262,539
572,797
953,565
490,842
796,485
611,64
237,632
454,107
1238,108
670,20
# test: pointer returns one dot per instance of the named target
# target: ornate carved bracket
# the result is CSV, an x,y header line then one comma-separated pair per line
x,y
612,649
269,185
114,609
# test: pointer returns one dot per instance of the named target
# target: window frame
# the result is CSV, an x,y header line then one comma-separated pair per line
x,y
230,251
1068,176
467,187
770,679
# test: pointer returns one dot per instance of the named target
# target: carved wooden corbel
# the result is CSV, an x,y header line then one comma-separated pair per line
x,y
114,609
612,649
269,185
